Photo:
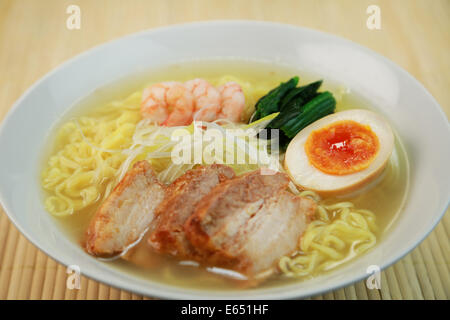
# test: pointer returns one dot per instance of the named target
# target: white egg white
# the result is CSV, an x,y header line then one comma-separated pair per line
x,y
305,175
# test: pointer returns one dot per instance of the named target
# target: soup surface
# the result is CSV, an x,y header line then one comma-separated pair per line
x,y
119,102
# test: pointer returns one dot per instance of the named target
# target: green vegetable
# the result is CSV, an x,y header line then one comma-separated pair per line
x,y
300,95
290,108
320,106
293,102
289,112
270,103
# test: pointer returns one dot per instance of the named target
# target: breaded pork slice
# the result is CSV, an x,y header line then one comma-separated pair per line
x,y
126,213
248,223
181,198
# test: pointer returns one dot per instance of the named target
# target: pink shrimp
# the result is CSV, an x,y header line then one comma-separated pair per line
x,y
167,103
233,101
206,99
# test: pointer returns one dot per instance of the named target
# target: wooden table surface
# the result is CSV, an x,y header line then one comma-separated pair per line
x,y
34,39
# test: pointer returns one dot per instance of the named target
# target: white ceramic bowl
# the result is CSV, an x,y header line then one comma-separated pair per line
x,y
413,112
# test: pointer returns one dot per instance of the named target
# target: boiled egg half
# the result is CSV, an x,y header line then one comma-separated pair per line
x,y
340,152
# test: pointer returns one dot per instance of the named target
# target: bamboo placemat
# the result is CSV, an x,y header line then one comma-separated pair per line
x,y
34,39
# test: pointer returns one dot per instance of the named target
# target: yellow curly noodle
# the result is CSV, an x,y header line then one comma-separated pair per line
x,y
92,153
87,156
339,232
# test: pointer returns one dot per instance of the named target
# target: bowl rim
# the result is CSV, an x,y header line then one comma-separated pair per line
x,y
202,294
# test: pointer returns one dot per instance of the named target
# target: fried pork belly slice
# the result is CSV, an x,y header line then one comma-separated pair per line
x,y
182,197
248,223
126,213
274,231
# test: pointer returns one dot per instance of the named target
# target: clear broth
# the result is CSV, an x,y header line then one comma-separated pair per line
x,y
385,196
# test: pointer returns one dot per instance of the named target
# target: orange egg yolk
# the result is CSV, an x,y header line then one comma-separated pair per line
x,y
341,148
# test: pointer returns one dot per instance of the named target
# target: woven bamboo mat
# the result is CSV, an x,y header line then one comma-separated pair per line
x,y
34,39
